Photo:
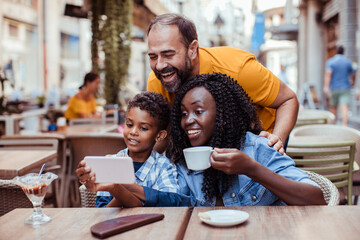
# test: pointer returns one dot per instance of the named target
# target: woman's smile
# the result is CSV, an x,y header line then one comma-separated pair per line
x,y
198,110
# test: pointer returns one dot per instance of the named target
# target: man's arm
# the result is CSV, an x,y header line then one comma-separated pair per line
x,y
327,80
287,107
352,79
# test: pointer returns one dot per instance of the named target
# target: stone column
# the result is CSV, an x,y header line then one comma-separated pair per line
x,y
1,34
52,38
302,45
41,45
348,27
315,48
85,46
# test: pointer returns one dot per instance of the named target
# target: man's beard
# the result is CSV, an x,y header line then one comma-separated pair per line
x,y
180,79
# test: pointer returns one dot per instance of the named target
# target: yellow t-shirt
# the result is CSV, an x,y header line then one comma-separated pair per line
x,y
261,84
78,106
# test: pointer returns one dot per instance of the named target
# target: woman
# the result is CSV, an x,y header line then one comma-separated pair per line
x,y
213,110
83,104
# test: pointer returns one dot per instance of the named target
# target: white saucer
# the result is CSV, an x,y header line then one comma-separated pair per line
x,y
225,217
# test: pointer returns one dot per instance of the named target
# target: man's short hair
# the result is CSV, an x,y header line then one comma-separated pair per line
x,y
340,50
186,27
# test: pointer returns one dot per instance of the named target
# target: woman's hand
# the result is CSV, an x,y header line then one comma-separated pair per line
x,y
232,161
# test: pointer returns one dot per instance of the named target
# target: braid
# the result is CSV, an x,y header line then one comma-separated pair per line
x,y
235,115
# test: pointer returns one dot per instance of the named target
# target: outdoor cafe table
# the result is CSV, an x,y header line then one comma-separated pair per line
x,y
285,222
75,223
19,162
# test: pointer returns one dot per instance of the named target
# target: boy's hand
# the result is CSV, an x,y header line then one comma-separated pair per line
x,y
86,176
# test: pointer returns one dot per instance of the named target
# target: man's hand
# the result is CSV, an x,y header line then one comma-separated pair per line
x,y
327,91
274,141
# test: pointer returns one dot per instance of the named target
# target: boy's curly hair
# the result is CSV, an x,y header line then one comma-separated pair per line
x,y
235,115
155,104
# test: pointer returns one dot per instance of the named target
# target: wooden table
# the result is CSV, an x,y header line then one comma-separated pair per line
x,y
75,223
19,162
288,222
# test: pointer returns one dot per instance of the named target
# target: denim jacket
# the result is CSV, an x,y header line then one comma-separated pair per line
x,y
244,191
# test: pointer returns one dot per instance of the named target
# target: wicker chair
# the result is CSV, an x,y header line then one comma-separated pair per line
x,y
330,191
88,199
11,197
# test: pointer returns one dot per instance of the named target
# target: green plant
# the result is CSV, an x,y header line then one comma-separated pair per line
x,y
111,26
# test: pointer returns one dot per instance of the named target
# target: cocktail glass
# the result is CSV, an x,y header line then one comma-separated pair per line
x,y
35,187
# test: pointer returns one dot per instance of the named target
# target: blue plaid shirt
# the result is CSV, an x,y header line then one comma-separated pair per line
x,y
158,176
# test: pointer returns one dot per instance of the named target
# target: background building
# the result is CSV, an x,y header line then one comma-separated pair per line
x,y
324,24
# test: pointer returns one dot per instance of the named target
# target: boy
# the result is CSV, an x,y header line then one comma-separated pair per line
x,y
147,118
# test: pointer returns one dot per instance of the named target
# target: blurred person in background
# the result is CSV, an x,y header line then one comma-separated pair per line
x,y
339,78
83,104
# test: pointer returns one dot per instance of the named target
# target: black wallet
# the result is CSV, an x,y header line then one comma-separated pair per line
x,y
121,224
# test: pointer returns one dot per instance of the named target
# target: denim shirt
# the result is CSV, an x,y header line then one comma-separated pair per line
x,y
244,191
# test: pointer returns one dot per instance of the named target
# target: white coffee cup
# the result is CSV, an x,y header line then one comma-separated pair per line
x,y
198,158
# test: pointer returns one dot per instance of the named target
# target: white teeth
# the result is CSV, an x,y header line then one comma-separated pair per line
x,y
166,74
190,132
132,140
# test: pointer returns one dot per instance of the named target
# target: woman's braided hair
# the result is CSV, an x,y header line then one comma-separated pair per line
x,y
235,115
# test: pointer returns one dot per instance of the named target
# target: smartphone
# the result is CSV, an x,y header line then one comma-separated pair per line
x,y
112,169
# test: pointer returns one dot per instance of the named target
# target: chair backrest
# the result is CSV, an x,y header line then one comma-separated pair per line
x,y
94,145
12,197
83,121
89,121
330,191
332,160
88,199
341,133
314,116
29,144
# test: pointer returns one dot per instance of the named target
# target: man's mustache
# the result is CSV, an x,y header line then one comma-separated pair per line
x,y
166,70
